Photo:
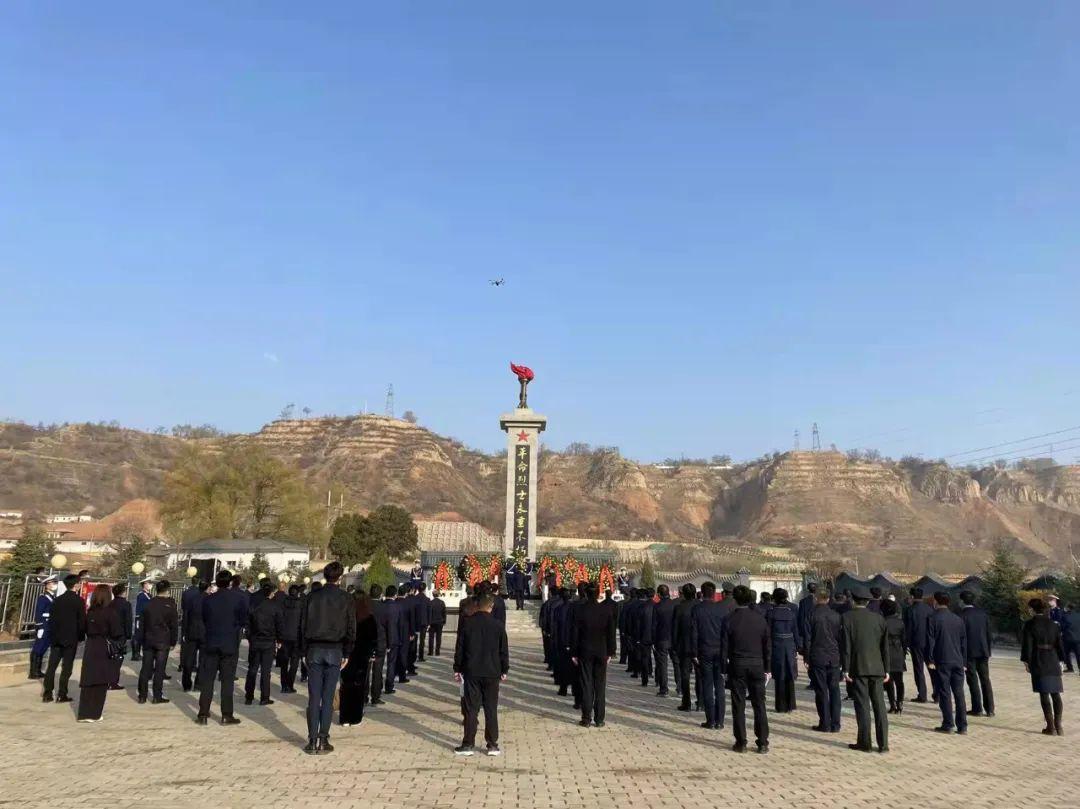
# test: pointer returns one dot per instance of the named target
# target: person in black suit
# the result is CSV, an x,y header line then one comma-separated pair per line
x,y
946,657
481,662
979,644
67,629
806,610
865,660
643,634
746,639
823,662
122,607
916,619
708,636
161,631
391,616
224,616
436,622
289,653
423,619
265,629
191,632
592,646
894,635
662,632
683,644
382,642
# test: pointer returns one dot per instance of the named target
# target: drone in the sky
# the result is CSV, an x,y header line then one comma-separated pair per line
x,y
497,282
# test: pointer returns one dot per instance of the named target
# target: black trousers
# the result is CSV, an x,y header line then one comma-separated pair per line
x,y
676,669
189,663
950,688
519,599
217,664
403,665
63,656
869,693
290,661
645,660
393,655
825,681
686,666
748,681
593,672
624,649
481,692
421,636
260,664
153,666
978,681
435,641
712,687
137,640
660,661
894,689
918,671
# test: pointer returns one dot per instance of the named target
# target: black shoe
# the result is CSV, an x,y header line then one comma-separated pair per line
x,y
389,691
46,697
266,701
685,708
989,713
763,748
136,658
201,720
311,748
465,750
166,676
884,749
975,713
661,693
819,728
697,706
943,729
585,723
158,701
601,724
248,700
142,699
961,731
378,702
920,700
64,699
860,748
402,682
230,720
325,746
577,706
116,688
739,747
708,726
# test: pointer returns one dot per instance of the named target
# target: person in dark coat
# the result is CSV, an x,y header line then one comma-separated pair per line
x,y
146,588
822,659
895,633
123,610
42,610
946,657
980,642
67,629
396,627
356,675
874,604
764,605
707,632
1070,634
749,650
592,645
1042,653
683,644
405,635
289,653
783,623
564,674
224,615
627,655
436,622
916,620
481,663
265,629
643,635
102,626
806,610
192,632
161,632
865,660
422,619
663,618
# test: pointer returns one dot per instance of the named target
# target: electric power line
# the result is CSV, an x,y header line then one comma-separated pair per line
x,y
1007,443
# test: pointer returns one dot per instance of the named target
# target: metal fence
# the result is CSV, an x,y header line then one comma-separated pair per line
x,y
33,586
5,600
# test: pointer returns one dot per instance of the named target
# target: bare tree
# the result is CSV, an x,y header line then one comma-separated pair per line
x,y
287,411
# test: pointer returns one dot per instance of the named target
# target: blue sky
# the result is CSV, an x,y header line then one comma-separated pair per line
x,y
718,222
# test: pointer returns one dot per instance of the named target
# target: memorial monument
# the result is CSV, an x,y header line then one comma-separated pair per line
x,y
522,428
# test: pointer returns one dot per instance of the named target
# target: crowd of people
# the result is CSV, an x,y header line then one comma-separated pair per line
x,y
706,644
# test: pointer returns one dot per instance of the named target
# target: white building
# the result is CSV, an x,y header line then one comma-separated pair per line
x,y
68,518
234,554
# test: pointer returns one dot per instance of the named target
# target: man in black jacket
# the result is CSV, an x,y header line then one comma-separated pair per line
x,y
436,622
421,618
67,629
707,629
822,659
122,608
327,632
481,661
643,634
946,657
746,638
806,609
191,632
592,646
289,653
265,629
662,632
391,615
864,657
916,619
683,644
224,616
979,644
161,631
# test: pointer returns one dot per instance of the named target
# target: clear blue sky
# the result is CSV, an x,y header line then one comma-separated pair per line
x,y
717,221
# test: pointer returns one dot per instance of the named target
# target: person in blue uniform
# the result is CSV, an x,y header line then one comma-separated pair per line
x,y
622,583
979,645
141,600
41,627
783,623
946,657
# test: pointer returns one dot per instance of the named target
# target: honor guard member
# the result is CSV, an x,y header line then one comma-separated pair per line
x,y
622,583
192,632
663,630
67,629
946,657
865,661
979,644
42,608
746,638
141,600
416,575
823,662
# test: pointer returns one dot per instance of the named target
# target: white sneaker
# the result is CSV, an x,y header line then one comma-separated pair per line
x,y
494,750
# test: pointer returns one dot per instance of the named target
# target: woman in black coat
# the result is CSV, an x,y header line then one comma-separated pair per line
x,y
102,625
1042,654
894,636
356,674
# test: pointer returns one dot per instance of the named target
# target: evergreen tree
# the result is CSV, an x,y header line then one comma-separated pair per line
x,y
259,565
648,574
1003,577
31,551
380,571
392,529
348,540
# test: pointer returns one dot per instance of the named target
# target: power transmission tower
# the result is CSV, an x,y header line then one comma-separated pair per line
x,y
816,439
390,401
796,440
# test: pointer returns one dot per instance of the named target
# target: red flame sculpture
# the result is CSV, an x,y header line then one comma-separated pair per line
x,y
525,375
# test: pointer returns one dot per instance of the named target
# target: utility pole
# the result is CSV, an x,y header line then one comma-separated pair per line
x,y
796,440
390,401
816,439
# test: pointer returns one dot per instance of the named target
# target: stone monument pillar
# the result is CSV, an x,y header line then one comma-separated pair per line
x,y
523,428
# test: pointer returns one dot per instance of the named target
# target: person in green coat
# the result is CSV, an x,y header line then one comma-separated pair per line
x,y
864,659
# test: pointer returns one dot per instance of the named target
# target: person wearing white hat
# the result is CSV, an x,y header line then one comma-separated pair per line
x,y
41,627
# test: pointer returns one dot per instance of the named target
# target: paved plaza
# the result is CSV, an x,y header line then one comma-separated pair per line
x,y
649,754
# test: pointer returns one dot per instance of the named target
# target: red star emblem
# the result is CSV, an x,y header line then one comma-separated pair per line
x,y
523,436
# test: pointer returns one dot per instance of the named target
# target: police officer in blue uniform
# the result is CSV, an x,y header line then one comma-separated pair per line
x,y
41,626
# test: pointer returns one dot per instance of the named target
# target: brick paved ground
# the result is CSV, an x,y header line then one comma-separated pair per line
x,y
648,753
